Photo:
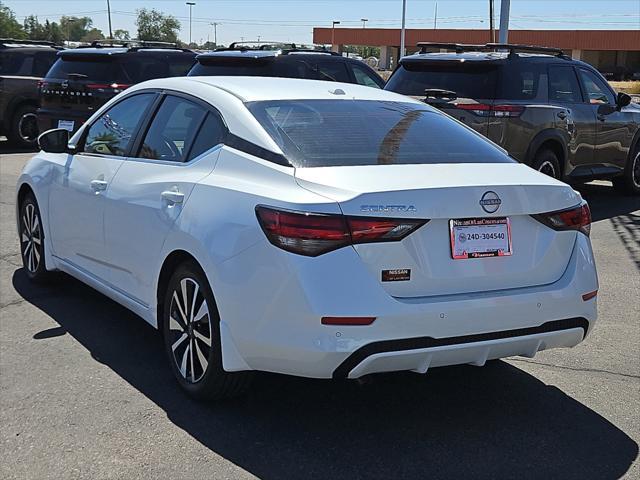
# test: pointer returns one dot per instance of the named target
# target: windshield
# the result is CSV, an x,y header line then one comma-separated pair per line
x,y
92,69
320,133
249,68
466,80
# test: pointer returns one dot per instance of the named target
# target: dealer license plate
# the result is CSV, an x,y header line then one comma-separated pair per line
x,y
480,237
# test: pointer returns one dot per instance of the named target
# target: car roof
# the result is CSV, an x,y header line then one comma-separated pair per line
x,y
251,89
265,54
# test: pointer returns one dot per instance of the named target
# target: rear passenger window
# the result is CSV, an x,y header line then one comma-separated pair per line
x,y
111,134
363,77
522,81
211,133
333,71
172,130
563,85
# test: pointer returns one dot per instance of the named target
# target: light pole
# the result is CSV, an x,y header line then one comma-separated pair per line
x,y
333,32
504,21
191,4
364,22
215,33
109,15
402,32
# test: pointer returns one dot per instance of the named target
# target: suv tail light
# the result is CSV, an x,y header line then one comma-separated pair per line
x,y
313,234
115,87
484,110
576,218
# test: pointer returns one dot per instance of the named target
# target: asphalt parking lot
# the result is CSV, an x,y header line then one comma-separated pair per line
x,y
86,393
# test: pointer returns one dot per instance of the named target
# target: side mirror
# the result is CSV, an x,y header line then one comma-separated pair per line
x,y
623,100
54,141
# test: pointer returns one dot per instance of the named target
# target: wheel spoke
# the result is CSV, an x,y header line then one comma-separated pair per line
x,y
193,371
31,267
201,337
202,311
26,221
177,301
177,343
183,288
183,365
37,254
36,224
24,237
36,240
175,324
201,358
193,302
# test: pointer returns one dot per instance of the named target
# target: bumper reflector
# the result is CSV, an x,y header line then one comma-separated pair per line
x,y
590,295
347,320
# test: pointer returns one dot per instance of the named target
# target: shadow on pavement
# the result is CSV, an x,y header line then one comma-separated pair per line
x,y
458,422
6,148
605,202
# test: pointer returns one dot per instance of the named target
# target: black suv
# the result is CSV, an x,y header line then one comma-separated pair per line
x,y
83,79
285,60
23,63
556,114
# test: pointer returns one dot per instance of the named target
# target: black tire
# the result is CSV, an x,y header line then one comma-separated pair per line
x,y
23,131
546,161
188,325
32,240
629,182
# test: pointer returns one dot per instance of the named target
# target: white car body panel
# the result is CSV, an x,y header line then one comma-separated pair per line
x,y
271,301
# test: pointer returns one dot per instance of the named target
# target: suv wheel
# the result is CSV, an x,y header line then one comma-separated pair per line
x,y
24,127
547,162
629,181
191,330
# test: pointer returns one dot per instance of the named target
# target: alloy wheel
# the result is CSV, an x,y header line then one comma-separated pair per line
x,y
190,330
28,127
548,169
635,171
31,238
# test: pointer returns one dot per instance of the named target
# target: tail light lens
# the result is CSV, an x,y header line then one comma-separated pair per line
x,y
115,87
576,218
484,110
313,234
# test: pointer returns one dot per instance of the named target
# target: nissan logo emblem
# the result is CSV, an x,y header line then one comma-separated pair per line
x,y
490,202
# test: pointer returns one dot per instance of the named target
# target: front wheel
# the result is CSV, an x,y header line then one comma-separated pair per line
x,y
629,181
191,329
32,240
546,161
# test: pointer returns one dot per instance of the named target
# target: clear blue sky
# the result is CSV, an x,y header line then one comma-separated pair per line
x,y
293,20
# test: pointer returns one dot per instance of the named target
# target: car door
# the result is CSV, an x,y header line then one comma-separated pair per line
x,y
574,117
76,198
613,135
173,152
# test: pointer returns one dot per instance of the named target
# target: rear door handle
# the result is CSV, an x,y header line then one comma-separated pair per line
x,y
602,118
98,185
173,197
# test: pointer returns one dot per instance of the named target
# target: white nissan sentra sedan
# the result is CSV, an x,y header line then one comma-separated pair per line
x,y
316,229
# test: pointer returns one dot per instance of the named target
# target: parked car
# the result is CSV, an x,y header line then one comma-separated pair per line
x,y
558,115
285,60
22,64
318,229
83,79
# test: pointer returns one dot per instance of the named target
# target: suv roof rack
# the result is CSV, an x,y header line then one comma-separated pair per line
x,y
283,48
35,43
134,44
512,47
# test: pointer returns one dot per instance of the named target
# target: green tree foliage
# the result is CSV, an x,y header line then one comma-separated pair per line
x,y
75,28
49,31
121,34
93,34
154,25
9,26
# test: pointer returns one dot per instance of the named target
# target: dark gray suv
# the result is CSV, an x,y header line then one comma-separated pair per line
x,y
556,114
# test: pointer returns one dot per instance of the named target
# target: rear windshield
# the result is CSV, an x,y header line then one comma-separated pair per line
x,y
253,68
321,133
466,80
91,69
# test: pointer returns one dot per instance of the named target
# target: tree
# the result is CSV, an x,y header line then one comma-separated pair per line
x,y
154,25
75,28
92,35
9,26
121,34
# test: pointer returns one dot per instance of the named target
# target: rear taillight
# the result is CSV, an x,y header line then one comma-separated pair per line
x,y
313,234
576,218
484,110
115,87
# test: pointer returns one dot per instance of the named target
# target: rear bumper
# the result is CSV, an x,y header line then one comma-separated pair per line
x,y
274,320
